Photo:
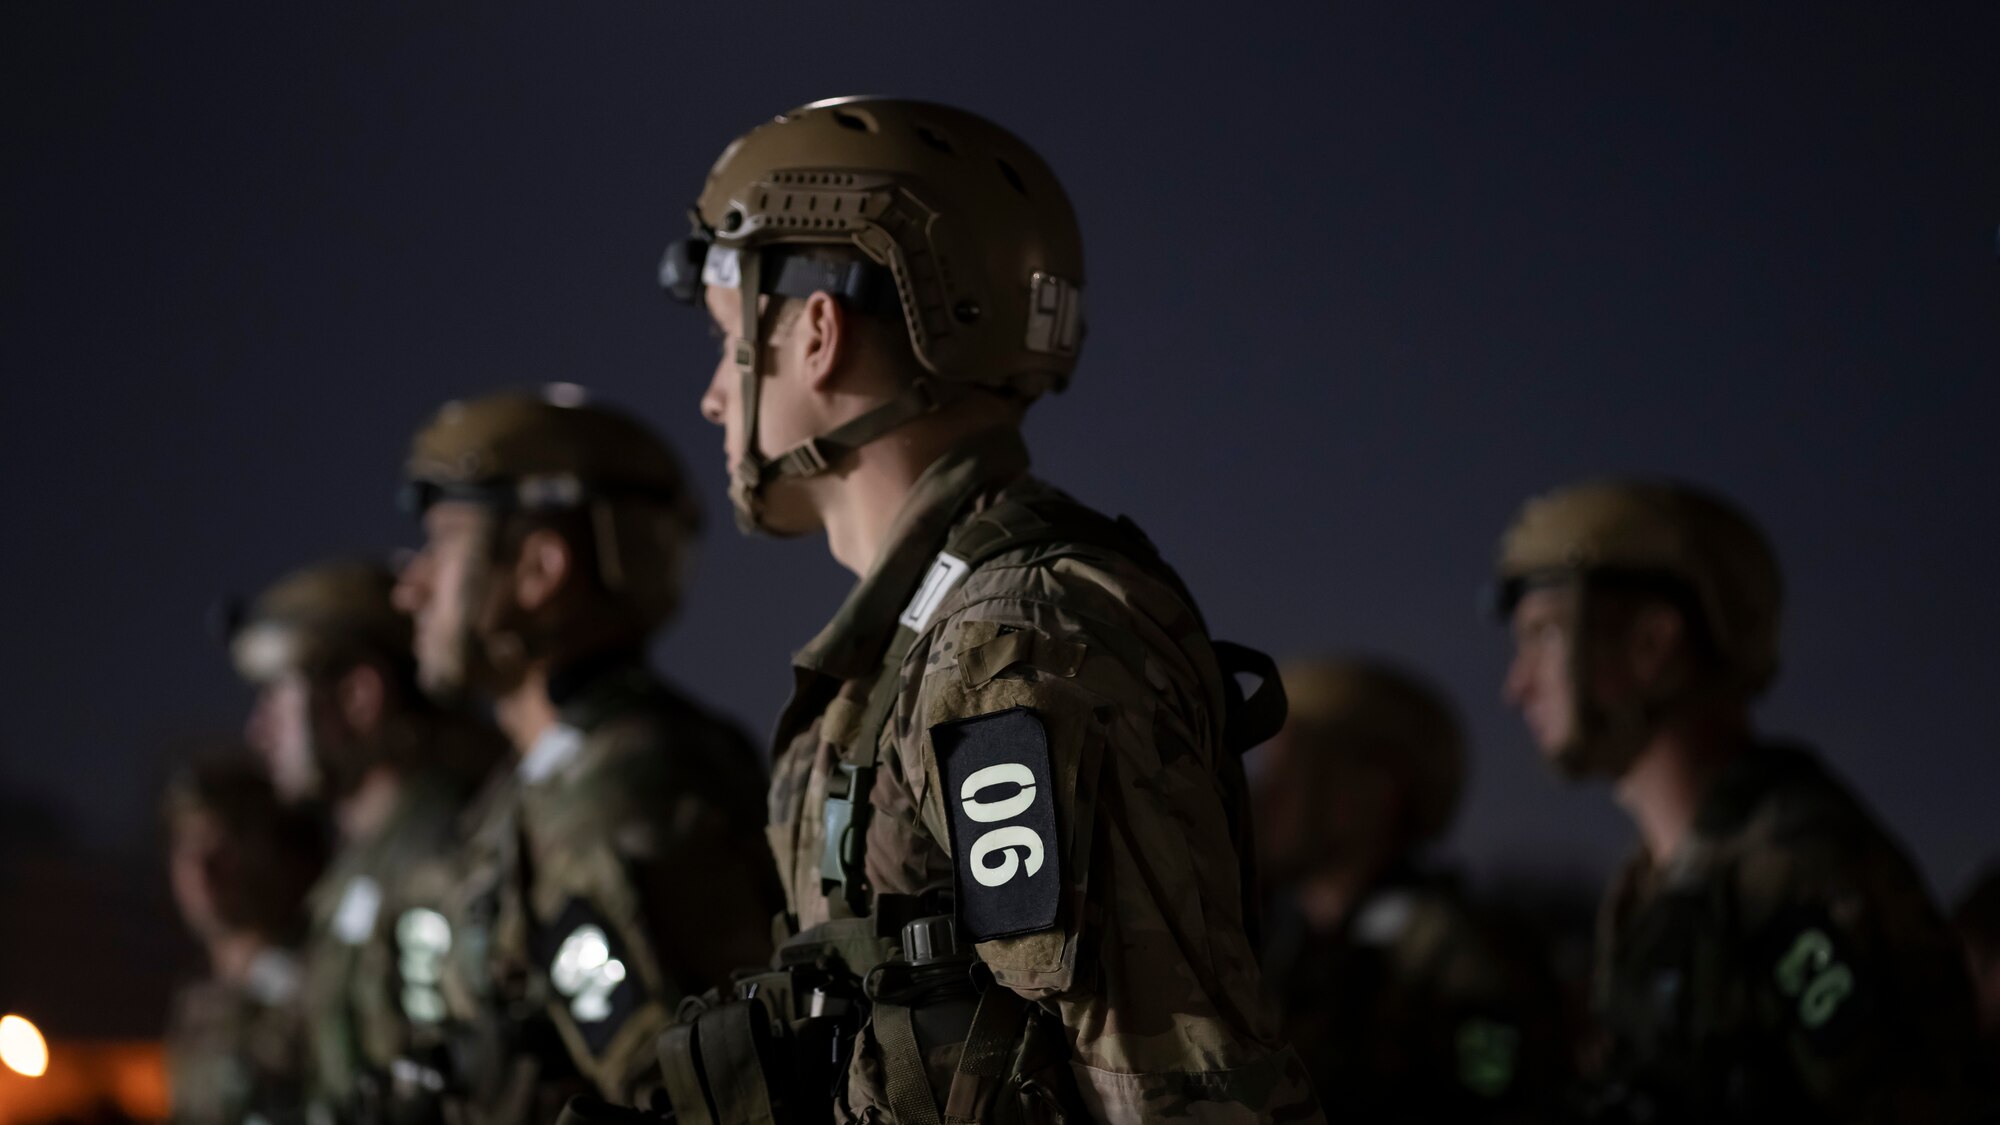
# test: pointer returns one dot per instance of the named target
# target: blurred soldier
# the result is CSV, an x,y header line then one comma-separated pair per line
x,y
620,865
1977,921
239,862
1406,1002
1008,809
1769,953
339,718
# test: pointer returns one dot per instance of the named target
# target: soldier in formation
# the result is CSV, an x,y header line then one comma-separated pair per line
x,y
1407,1001
339,719
1769,953
1007,806
239,862
618,865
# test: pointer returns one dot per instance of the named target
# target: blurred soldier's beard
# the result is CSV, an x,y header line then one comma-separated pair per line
x,y
485,653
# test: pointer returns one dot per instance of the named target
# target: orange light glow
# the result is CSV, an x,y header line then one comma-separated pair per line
x,y
22,1047
83,1077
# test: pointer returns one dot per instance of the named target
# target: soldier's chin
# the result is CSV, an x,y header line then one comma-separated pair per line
x,y
1584,759
443,682
1572,761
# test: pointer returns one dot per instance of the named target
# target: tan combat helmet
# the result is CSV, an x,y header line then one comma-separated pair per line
x,y
320,619
554,452
1370,709
1668,536
962,231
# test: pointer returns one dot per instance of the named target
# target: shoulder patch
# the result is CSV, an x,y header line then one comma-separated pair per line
x,y
354,918
944,574
1817,979
1001,791
589,972
423,940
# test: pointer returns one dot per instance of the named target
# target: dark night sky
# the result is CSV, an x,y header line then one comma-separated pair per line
x,y
1362,277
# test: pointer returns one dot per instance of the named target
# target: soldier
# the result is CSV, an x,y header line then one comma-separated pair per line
x,y
339,718
1007,807
1769,953
1406,1002
619,866
239,863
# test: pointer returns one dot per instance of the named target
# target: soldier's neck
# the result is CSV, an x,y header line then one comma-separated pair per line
x,y
859,502
525,712
1327,897
365,810
1663,789
230,955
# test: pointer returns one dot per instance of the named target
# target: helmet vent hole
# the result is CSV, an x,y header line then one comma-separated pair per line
x,y
1012,177
937,142
853,121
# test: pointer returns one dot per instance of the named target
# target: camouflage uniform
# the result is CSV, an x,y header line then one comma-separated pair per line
x,y
1146,967
1419,1009
571,937
236,1051
361,999
1788,965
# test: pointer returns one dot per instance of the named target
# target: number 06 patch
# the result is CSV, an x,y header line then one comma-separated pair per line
x,y
1001,792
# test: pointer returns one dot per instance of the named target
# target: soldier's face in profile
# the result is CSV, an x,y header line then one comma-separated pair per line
x,y
787,411
1538,681
280,731
428,589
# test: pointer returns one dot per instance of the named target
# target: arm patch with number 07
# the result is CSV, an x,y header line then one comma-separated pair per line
x,y
1000,790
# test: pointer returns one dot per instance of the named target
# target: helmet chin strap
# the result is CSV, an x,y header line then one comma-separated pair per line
x,y
753,472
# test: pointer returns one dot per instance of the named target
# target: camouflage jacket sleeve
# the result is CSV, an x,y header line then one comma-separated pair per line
x,y
1116,904
648,881
1852,978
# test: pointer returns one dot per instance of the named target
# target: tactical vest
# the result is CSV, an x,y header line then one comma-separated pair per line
x,y
778,1049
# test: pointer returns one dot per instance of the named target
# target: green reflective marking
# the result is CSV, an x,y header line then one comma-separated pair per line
x,y
1810,952
1824,995
1487,1056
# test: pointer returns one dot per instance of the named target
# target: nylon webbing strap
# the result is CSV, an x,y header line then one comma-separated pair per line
x,y
845,814
903,1066
733,1064
680,1070
815,455
989,1050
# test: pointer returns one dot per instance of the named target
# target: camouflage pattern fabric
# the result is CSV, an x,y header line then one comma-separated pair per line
x,y
1418,1009
363,997
1787,965
617,870
236,1052
1147,974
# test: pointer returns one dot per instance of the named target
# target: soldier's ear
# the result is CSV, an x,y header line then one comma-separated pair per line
x,y
1658,644
823,339
360,695
541,567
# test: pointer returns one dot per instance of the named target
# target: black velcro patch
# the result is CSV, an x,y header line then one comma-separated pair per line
x,y
1001,792
593,981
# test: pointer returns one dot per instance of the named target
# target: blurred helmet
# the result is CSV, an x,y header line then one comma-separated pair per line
x,y
1666,537
555,453
321,619
958,229
1372,711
